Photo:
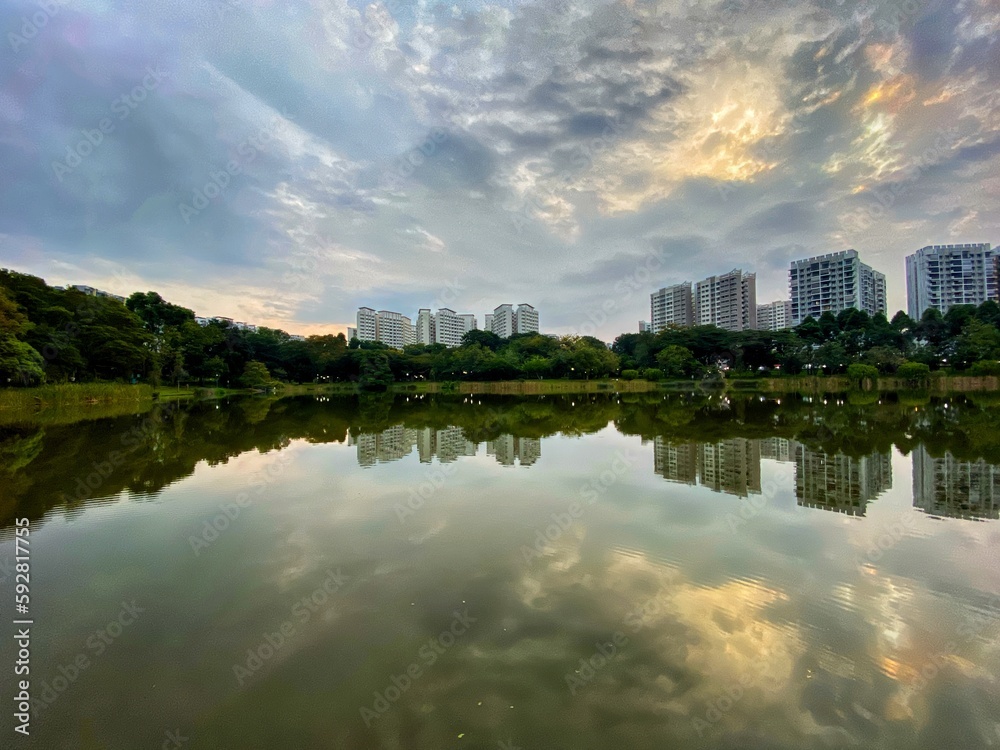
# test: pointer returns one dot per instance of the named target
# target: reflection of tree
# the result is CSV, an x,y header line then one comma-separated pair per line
x,y
158,447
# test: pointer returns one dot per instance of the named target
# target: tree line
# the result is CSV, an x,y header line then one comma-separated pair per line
x,y
57,335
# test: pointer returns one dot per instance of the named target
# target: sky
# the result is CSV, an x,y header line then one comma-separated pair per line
x,y
284,163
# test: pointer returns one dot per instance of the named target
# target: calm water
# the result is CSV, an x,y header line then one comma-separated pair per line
x,y
552,572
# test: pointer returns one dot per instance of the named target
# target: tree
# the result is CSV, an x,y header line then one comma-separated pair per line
x,y
255,375
978,341
677,362
374,372
20,364
487,339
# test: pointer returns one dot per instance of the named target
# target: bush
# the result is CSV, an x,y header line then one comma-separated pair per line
x,y
986,367
859,373
651,373
913,371
630,374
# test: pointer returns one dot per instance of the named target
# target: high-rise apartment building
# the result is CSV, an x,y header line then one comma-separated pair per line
x,y
774,316
728,301
425,326
941,276
394,329
503,321
671,305
471,324
525,319
367,324
352,333
832,283
449,328
488,322
397,331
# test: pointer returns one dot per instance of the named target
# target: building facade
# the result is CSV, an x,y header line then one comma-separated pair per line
x,y
394,329
503,321
939,277
449,328
774,316
426,329
728,301
671,306
832,283
525,319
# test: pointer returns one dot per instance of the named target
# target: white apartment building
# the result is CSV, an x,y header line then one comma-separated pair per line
x,y
449,328
352,333
834,282
367,329
728,301
644,327
671,305
526,319
774,316
488,322
471,324
941,276
425,326
503,321
395,329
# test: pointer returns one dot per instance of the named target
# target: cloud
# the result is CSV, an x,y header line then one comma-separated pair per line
x,y
533,150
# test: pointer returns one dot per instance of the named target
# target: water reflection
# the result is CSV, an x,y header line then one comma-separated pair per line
x,y
446,445
949,488
839,482
840,448
836,482
676,521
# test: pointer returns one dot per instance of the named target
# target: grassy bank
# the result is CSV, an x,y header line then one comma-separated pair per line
x,y
840,384
528,387
73,394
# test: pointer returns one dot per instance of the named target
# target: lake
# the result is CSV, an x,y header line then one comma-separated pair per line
x,y
449,571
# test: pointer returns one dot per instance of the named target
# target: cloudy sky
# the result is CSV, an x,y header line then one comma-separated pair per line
x,y
285,162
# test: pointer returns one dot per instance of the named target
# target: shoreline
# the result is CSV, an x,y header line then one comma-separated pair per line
x,y
95,394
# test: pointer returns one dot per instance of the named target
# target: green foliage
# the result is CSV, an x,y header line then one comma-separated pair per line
x,y
913,371
375,374
255,375
677,362
986,367
53,335
652,373
630,374
859,373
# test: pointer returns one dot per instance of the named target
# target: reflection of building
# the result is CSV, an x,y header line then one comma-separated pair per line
x,y
840,482
730,466
506,448
677,463
447,445
778,449
960,489
388,445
